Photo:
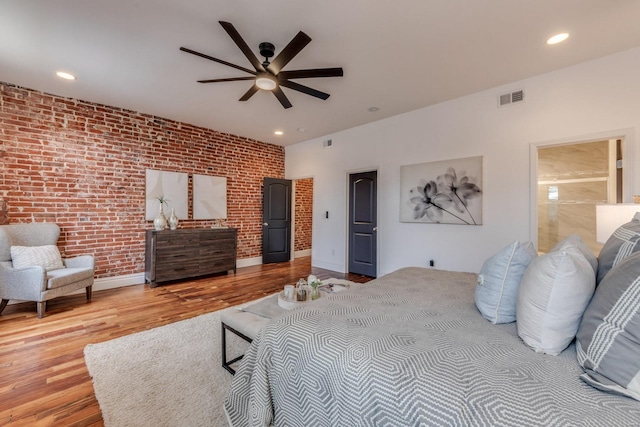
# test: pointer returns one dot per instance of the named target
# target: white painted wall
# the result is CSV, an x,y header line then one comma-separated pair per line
x,y
596,97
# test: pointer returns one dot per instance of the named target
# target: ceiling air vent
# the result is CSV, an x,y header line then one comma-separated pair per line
x,y
510,98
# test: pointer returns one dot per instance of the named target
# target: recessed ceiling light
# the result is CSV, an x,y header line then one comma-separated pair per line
x,y
279,132
64,75
558,38
301,130
373,109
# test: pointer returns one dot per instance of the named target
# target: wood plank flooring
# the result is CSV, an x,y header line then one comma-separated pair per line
x,y
43,378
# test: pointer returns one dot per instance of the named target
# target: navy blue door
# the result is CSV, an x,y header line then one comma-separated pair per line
x,y
276,220
363,223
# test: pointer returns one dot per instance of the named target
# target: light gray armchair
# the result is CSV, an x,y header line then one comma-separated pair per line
x,y
35,283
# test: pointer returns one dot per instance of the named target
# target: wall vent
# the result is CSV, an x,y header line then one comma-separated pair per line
x,y
327,143
510,98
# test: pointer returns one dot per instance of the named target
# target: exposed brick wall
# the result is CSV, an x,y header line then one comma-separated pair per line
x,y
304,213
82,166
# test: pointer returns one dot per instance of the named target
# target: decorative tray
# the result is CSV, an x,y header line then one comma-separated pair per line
x,y
289,304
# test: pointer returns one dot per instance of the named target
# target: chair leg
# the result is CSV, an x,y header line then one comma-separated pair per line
x,y
3,304
88,290
42,307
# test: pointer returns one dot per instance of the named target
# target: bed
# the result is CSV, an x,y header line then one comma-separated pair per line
x,y
411,349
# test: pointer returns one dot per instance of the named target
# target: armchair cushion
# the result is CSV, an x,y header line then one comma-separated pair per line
x,y
47,257
66,276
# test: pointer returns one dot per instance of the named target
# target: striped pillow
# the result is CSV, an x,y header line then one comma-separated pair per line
x,y
47,257
622,243
608,341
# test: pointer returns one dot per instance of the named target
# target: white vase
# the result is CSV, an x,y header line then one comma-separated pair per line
x,y
160,221
173,220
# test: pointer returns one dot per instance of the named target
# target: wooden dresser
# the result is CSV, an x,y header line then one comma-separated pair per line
x,y
183,253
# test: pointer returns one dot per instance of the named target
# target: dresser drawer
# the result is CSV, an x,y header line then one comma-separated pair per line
x,y
165,271
167,255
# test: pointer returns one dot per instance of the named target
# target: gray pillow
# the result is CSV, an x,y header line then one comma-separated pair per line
x,y
554,292
608,341
499,279
622,243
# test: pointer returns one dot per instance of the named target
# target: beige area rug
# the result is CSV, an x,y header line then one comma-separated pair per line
x,y
166,376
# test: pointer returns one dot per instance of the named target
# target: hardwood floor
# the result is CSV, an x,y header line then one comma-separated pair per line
x,y
43,377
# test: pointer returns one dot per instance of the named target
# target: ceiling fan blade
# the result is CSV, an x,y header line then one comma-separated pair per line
x,y
292,49
282,97
237,38
219,61
253,89
231,79
316,72
304,89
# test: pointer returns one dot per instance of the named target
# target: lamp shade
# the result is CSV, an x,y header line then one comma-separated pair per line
x,y
610,217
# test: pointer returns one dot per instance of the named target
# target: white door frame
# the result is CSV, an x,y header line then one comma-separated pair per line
x,y
628,147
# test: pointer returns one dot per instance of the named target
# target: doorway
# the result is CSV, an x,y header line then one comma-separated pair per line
x,y
363,206
302,217
571,179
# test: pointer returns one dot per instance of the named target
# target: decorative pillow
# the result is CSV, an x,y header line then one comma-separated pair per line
x,y
554,292
47,257
622,243
608,343
499,280
576,240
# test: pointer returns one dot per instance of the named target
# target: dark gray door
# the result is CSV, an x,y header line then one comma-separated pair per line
x,y
276,220
363,223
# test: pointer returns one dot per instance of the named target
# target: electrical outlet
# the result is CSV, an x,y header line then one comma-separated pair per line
x,y
432,263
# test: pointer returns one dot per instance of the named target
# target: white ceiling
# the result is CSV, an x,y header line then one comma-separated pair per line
x,y
397,55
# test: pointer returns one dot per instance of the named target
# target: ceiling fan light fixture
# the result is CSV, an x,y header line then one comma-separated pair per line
x,y
266,82
268,75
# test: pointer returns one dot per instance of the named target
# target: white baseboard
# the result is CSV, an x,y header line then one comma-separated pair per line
x,y
340,268
103,283
302,253
248,262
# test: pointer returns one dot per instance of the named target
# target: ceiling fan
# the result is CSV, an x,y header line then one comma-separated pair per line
x,y
268,75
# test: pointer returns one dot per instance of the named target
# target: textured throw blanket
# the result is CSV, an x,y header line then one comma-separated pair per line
x,y
410,349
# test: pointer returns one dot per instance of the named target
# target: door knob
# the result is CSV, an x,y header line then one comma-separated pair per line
x,y
266,224
375,228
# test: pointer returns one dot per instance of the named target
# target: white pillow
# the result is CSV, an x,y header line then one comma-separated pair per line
x,y
47,257
576,240
499,280
553,295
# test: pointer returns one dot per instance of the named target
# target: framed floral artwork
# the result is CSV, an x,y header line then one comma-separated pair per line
x,y
442,192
